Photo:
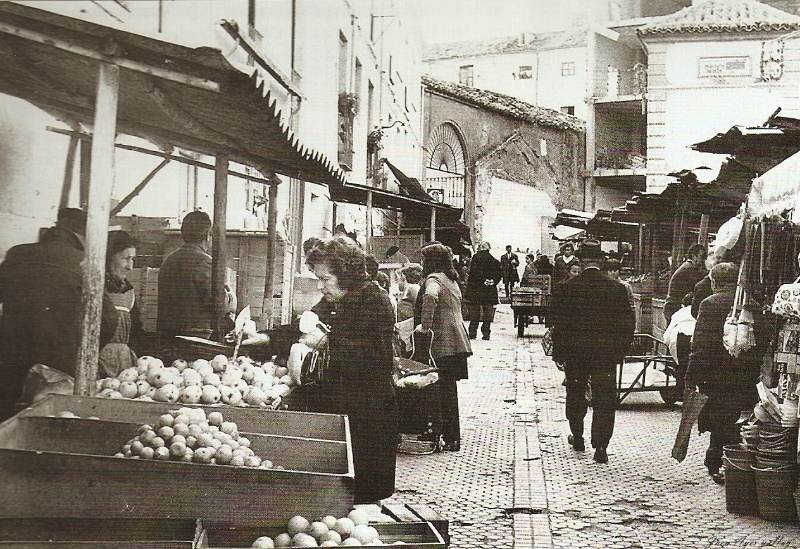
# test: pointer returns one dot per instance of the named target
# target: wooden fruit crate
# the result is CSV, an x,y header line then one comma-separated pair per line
x,y
64,467
416,535
249,419
529,300
72,533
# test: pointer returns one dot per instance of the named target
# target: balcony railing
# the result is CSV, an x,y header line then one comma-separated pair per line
x,y
448,190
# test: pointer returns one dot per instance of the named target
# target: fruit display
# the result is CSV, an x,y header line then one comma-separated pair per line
x,y
328,531
188,434
240,382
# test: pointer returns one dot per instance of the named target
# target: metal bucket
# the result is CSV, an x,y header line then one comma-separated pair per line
x,y
774,488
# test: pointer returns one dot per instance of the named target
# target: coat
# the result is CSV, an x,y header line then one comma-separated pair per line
x,y
185,300
561,268
483,267
439,310
682,282
358,382
40,289
729,382
508,265
592,317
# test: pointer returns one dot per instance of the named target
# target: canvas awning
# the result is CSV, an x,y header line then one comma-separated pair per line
x,y
777,191
597,224
191,98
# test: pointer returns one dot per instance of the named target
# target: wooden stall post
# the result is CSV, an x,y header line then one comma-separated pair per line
x,y
368,237
69,168
272,236
99,202
702,237
218,247
433,223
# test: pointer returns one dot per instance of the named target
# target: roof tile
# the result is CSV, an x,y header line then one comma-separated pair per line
x,y
507,105
572,38
723,16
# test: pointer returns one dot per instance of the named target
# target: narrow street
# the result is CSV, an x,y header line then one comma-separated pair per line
x,y
517,483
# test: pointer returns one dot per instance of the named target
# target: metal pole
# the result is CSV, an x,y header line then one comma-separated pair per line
x,y
99,198
218,245
433,223
69,168
368,237
272,238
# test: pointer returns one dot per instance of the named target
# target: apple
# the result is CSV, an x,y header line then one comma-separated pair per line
x,y
210,395
128,374
142,386
128,389
203,455
180,364
219,363
202,367
212,379
359,517
350,542
303,540
255,396
224,454
167,393
151,392
147,453
143,363
264,542
330,521
190,394
343,526
297,524
215,418
114,395
191,377
330,535
111,383
164,377
317,529
364,533
237,460
283,540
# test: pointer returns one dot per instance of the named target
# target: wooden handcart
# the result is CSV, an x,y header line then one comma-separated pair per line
x,y
531,300
648,366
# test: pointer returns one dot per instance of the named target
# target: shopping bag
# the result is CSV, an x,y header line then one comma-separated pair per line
x,y
419,369
312,371
547,342
693,403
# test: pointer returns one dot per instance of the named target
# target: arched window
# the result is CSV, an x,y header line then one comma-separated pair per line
x,y
445,171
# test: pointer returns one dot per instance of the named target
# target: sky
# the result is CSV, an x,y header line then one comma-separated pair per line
x,y
457,20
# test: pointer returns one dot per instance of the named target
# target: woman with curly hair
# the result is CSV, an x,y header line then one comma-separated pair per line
x,y
358,378
438,312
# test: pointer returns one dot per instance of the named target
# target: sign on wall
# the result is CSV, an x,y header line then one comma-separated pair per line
x,y
710,67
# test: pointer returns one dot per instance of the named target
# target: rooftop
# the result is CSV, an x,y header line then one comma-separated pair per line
x,y
506,105
572,38
723,16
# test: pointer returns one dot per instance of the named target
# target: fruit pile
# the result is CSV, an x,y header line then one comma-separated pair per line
x,y
189,435
352,530
242,382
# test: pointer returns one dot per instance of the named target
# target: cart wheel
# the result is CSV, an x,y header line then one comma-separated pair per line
x,y
522,320
670,395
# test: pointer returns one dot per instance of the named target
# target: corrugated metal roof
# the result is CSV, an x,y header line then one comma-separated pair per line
x,y
52,61
572,38
723,16
507,105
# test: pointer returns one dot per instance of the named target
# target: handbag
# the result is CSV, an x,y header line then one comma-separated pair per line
x,y
419,369
312,371
547,342
787,301
693,403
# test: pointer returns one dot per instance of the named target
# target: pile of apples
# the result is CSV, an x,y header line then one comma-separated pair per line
x,y
189,435
352,530
240,382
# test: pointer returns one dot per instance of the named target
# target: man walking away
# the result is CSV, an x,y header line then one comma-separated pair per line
x,y
481,293
683,280
593,329
509,262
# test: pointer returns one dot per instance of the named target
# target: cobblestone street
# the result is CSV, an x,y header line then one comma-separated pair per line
x,y
517,483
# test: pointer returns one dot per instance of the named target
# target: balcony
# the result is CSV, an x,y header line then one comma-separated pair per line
x,y
623,84
446,189
619,162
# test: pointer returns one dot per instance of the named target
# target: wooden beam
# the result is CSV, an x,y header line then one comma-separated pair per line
x,y
69,171
139,188
368,236
268,179
85,173
433,224
218,245
94,262
702,236
272,238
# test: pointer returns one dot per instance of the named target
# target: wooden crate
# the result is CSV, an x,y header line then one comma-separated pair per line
x,y
529,300
416,535
419,512
64,467
540,284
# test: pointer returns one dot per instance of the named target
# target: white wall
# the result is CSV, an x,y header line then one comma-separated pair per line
x,y
513,214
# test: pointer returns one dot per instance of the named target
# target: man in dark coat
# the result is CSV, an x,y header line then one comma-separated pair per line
x,y
40,290
683,280
481,292
509,263
593,329
729,383
185,297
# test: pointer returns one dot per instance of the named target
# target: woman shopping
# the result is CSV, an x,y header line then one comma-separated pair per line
x,y
438,312
116,355
358,379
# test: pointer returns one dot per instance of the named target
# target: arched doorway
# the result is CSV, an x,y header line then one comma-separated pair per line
x,y
445,167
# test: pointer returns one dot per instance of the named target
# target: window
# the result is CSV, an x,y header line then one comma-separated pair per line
x,y
466,75
568,68
568,110
525,72
343,65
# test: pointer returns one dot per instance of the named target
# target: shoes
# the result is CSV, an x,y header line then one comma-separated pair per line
x,y
473,336
576,442
453,446
718,476
486,338
600,455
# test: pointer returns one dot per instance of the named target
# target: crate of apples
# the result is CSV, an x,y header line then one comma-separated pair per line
x,y
188,434
240,382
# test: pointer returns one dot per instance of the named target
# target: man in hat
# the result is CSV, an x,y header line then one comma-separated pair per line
x,y
40,290
593,327
481,292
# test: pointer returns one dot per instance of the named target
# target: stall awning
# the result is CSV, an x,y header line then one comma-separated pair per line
x,y
191,98
353,193
598,224
777,191
409,186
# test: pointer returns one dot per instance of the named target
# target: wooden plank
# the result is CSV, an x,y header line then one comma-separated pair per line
x,y
218,243
426,513
265,320
94,268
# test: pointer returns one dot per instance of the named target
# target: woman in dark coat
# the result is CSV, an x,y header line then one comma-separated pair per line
x,y
438,311
358,378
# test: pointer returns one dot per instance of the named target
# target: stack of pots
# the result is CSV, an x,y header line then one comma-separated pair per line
x,y
776,472
740,480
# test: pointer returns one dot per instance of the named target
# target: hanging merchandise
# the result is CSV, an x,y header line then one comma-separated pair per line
x,y
738,335
787,301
